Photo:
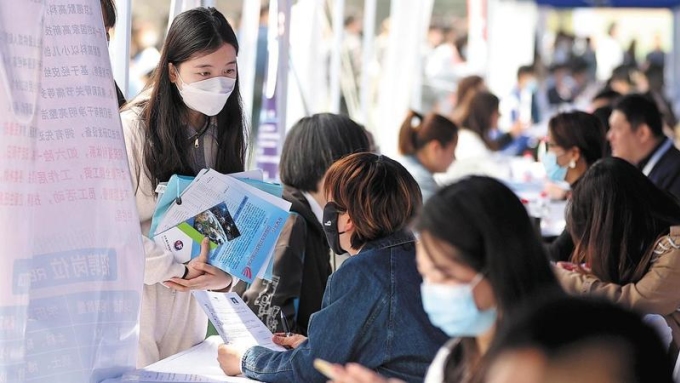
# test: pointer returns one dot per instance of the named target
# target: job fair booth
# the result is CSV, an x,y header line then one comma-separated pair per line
x,y
72,254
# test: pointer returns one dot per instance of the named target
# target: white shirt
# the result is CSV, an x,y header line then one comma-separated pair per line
x,y
472,158
316,208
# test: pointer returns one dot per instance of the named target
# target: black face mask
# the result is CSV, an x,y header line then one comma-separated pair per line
x,y
330,227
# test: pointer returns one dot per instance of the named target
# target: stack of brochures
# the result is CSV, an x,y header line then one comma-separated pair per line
x,y
240,214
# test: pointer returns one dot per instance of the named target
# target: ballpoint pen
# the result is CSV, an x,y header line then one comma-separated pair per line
x,y
284,323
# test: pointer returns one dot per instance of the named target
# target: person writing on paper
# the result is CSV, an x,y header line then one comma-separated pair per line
x,y
627,236
372,311
481,261
428,146
188,118
575,141
302,258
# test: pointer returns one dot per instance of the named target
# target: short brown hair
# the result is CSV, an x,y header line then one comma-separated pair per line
x,y
377,192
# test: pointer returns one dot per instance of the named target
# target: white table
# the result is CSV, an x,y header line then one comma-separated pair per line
x,y
197,364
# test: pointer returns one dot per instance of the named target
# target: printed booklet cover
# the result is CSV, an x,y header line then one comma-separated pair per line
x,y
242,222
184,240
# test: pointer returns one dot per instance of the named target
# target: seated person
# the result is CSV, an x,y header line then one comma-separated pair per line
x,y
302,256
636,135
575,141
627,237
372,311
566,339
428,146
480,260
476,146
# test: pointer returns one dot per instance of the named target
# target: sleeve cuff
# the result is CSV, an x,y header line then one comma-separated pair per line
x,y
243,361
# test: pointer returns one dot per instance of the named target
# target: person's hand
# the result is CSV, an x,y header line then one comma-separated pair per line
x,y
356,373
518,128
555,192
229,358
569,266
292,341
201,275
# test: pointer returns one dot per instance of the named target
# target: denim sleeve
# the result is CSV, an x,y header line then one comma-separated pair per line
x,y
334,333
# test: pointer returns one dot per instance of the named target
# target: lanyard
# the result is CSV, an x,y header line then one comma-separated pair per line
x,y
656,157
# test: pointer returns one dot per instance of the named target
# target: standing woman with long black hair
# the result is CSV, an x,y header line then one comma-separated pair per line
x,y
188,118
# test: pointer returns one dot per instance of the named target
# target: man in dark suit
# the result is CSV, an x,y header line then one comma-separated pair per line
x,y
636,135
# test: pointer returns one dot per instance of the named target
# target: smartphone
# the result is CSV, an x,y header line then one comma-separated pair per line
x,y
324,367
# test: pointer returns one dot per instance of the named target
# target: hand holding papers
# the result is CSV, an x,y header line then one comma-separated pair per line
x,y
242,222
235,321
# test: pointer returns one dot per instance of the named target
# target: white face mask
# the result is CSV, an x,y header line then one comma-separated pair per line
x,y
207,96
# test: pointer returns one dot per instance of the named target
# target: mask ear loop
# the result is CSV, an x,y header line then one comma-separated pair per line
x,y
475,281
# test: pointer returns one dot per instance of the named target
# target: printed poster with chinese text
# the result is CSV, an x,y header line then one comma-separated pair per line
x,y
72,260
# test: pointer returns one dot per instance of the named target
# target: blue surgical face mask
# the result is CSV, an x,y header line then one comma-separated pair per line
x,y
452,308
532,85
553,170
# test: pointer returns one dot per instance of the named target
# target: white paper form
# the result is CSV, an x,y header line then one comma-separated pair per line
x,y
235,321
197,364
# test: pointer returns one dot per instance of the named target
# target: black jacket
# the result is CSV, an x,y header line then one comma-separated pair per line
x,y
301,270
666,173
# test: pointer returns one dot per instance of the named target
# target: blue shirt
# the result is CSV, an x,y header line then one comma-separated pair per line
x,y
372,314
424,178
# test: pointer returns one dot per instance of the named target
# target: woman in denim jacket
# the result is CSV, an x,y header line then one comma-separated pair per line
x,y
372,312
480,260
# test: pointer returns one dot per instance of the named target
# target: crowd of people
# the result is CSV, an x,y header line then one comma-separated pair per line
x,y
447,280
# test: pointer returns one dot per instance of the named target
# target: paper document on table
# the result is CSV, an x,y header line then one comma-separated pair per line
x,y
197,364
235,321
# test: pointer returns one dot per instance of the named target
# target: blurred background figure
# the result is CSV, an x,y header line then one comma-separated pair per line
x,y
609,53
260,70
521,105
145,55
467,89
351,62
636,135
427,145
109,16
576,140
564,339
444,68
657,56
476,147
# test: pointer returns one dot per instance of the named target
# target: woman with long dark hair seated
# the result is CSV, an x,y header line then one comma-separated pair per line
x,y
627,237
575,141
